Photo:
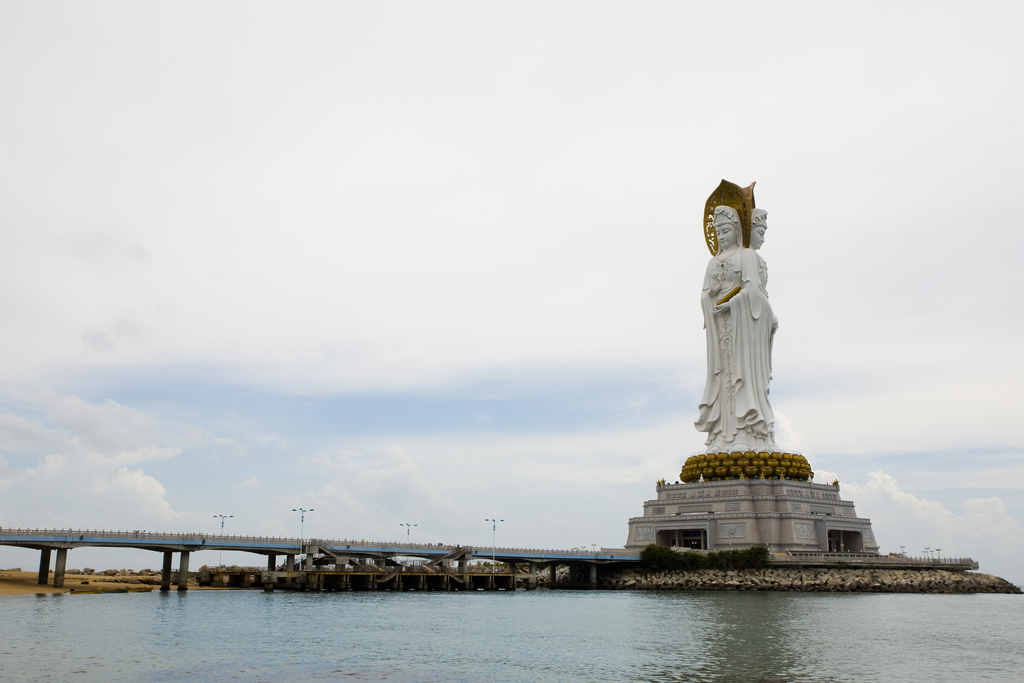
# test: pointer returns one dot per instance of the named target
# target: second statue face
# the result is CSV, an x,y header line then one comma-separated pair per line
x,y
760,225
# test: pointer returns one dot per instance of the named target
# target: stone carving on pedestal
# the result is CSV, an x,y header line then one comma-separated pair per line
x,y
733,530
804,530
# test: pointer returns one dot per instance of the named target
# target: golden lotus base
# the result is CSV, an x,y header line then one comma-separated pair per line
x,y
746,465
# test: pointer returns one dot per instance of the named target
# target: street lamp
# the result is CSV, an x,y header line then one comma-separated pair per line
x,y
220,562
302,522
938,551
494,533
903,550
927,552
408,528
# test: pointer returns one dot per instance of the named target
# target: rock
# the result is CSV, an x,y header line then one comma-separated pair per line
x,y
820,580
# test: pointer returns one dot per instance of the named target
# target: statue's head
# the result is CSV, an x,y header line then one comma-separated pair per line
x,y
727,226
758,226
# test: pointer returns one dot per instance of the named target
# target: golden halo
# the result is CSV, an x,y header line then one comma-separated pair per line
x,y
739,198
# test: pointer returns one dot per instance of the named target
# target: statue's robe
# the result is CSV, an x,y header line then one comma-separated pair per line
x,y
734,410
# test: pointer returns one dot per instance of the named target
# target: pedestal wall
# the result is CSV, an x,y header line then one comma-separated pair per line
x,y
739,513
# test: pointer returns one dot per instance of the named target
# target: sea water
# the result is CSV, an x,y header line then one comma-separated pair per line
x,y
511,636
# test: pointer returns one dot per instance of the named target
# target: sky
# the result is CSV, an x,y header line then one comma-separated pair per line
x,y
433,263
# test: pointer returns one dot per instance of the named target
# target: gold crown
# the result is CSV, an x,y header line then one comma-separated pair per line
x,y
739,198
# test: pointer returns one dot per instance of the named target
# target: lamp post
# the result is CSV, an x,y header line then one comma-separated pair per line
x,y
927,553
408,528
903,550
302,522
938,551
220,561
494,534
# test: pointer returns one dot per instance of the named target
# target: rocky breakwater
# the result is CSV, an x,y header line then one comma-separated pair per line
x,y
810,580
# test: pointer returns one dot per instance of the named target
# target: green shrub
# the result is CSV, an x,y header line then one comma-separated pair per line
x,y
662,558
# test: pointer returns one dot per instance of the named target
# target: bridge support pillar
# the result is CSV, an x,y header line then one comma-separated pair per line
x,y
553,568
309,562
165,573
289,562
58,568
593,576
271,562
44,566
532,581
183,571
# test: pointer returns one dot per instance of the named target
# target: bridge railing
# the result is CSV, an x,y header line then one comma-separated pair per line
x,y
145,535
894,561
338,544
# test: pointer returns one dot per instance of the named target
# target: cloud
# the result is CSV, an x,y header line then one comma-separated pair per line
x,y
252,483
105,431
18,434
129,325
901,518
82,455
365,489
785,435
145,490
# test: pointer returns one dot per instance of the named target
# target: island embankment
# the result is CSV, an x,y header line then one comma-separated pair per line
x,y
853,580
16,582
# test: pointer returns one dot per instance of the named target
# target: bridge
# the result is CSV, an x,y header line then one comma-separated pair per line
x,y
331,564
374,557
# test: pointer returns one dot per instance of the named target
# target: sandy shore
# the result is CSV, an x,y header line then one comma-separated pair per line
x,y
24,583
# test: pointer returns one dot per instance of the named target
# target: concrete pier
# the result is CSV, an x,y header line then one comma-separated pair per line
x,y
183,571
165,573
271,562
44,566
58,569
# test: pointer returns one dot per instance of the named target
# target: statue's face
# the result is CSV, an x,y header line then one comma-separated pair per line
x,y
757,236
726,234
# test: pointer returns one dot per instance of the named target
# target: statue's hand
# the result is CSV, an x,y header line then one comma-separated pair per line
x,y
723,309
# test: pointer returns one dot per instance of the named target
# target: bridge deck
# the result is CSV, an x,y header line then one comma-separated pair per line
x,y
263,545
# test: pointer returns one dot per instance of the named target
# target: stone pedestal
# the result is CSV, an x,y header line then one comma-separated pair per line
x,y
733,514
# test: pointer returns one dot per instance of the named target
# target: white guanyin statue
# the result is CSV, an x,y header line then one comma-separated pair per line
x,y
739,326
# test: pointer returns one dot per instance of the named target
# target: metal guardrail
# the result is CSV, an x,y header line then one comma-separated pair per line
x,y
894,561
350,545
372,569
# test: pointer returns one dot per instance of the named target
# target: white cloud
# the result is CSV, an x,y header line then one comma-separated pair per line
x,y
81,478
985,530
106,431
146,490
252,483
785,436
19,434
